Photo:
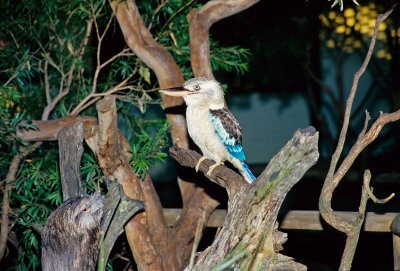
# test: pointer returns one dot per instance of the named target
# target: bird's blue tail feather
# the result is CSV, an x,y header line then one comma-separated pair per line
x,y
249,177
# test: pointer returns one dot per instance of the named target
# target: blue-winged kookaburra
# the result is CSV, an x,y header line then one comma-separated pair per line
x,y
211,125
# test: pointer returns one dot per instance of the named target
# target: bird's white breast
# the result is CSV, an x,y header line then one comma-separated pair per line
x,y
203,133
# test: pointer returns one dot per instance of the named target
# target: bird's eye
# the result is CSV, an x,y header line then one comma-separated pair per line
x,y
85,210
196,87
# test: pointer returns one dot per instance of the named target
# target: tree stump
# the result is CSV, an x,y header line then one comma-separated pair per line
x,y
249,239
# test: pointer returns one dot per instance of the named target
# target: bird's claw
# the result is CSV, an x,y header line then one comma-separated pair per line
x,y
214,166
198,163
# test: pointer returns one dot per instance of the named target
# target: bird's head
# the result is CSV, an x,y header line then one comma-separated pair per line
x,y
199,91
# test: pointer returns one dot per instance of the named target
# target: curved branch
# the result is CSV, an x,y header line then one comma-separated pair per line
x,y
221,175
249,226
200,22
105,142
350,226
154,55
367,178
334,176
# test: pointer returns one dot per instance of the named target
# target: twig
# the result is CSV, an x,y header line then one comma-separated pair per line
x,y
367,178
86,102
18,71
196,241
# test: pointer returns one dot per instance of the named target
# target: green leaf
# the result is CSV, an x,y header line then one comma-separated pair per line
x,y
145,73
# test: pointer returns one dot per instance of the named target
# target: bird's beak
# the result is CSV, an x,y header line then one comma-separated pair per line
x,y
176,91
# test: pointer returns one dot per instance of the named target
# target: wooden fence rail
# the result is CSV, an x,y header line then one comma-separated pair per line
x,y
299,220
310,220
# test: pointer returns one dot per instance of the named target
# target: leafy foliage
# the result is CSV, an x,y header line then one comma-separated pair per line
x,y
37,194
147,143
58,58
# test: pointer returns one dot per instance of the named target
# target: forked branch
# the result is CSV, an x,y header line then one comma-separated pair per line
x,y
352,227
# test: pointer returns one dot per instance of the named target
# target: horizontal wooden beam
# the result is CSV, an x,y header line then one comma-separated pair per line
x,y
299,220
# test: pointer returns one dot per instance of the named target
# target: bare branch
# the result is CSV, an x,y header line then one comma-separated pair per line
x,y
353,90
367,178
86,101
48,130
352,227
18,71
200,22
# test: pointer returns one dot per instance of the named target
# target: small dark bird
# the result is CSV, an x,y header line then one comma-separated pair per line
x,y
70,237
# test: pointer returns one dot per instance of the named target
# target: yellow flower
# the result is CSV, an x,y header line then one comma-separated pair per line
x,y
340,29
357,44
330,44
364,10
324,20
381,36
339,20
364,29
348,12
381,53
372,23
350,21
348,49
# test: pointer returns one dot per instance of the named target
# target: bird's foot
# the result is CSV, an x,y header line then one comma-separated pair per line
x,y
214,166
198,163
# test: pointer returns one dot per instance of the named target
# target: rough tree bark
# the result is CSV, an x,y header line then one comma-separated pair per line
x,y
154,55
154,245
196,203
250,224
249,230
70,146
71,239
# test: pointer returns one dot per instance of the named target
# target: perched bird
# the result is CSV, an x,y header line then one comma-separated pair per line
x,y
211,125
70,237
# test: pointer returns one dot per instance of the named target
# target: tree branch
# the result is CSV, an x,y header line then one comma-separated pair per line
x,y
348,226
70,152
200,22
104,141
168,74
8,184
48,129
221,175
249,227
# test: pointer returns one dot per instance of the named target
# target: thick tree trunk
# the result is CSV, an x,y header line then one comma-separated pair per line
x,y
249,232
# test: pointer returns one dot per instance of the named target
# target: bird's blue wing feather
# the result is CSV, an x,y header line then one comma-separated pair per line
x,y
228,130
